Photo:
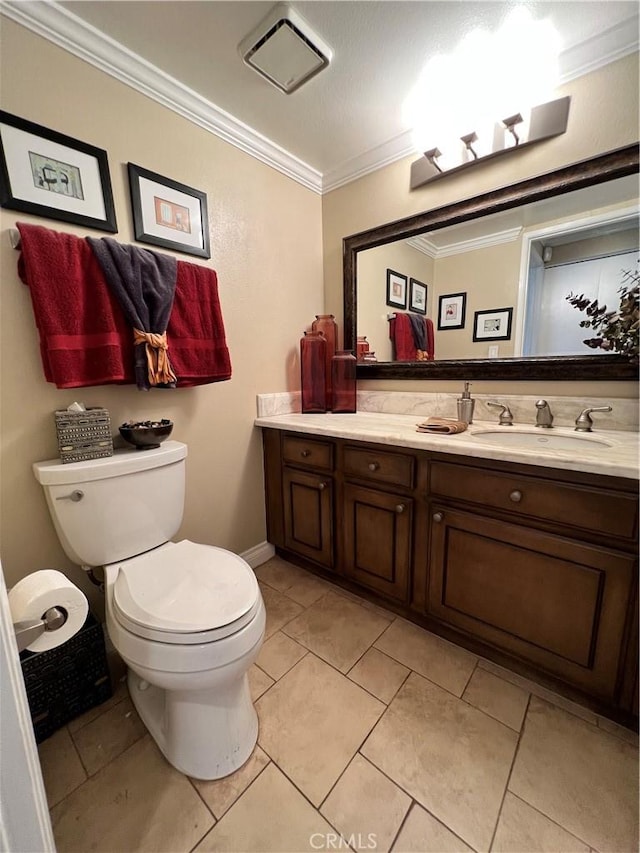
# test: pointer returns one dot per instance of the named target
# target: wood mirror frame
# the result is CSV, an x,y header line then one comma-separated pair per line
x,y
597,170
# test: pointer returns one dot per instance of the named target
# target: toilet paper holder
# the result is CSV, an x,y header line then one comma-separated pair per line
x,y
30,629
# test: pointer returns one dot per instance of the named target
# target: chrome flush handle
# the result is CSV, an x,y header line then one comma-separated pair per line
x,y
74,496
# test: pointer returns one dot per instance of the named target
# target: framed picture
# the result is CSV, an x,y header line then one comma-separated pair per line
x,y
45,173
168,214
451,310
396,289
492,325
417,296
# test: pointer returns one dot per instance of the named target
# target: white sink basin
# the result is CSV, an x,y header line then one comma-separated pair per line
x,y
504,437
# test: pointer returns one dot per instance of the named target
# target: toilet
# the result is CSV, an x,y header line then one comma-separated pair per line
x,y
187,619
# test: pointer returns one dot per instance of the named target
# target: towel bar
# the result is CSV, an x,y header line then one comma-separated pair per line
x,y
14,238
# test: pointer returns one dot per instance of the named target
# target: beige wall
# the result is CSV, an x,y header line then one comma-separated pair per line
x,y
372,289
489,277
266,248
603,116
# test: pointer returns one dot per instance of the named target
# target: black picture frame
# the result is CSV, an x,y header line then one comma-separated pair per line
x,y
177,209
417,296
396,289
46,173
492,324
452,308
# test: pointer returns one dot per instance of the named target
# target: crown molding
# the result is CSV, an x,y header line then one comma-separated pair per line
x,y
68,31
422,244
61,27
605,47
375,158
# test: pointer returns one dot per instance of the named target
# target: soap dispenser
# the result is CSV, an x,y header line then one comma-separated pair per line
x,y
466,405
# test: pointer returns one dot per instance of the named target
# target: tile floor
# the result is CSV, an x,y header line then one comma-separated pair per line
x,y
374,735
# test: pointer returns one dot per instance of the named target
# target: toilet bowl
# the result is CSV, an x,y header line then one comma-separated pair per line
x,y
187,619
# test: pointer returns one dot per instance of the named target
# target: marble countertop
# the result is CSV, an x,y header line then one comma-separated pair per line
x,y
618,458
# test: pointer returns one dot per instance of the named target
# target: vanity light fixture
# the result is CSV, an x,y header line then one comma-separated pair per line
x,y
432,156
285,50
543,122
468,140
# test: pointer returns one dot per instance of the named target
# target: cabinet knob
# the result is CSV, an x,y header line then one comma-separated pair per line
x,y
322,487
305,453
437,517
373,466
400,508
515,496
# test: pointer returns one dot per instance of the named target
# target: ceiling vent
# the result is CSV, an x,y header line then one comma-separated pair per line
x,y
285,50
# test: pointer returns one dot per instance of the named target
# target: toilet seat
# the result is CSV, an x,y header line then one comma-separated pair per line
x,y
185,593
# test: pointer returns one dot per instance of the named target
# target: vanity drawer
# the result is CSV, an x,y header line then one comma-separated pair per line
x,y
299,450
598,510
380,466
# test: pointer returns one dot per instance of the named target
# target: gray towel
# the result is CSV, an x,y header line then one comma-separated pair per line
x,y
419,331
144,284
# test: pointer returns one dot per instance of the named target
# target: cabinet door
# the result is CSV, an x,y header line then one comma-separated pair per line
x,y
555,602
377,540
308,515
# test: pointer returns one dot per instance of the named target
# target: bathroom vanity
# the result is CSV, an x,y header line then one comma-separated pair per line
x,y
520,551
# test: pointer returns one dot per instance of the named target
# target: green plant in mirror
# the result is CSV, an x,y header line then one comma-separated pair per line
x,y
617,331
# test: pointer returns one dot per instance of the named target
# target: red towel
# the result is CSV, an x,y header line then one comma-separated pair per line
x,y
402,337
84,339
197,343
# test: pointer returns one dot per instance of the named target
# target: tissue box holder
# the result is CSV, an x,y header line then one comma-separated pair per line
x,y
65,682
84,435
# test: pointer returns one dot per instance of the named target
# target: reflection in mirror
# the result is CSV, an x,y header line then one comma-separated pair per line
x,y
503,263
527,259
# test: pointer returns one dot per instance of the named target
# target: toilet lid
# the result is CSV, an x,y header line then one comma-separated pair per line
x,y
185,589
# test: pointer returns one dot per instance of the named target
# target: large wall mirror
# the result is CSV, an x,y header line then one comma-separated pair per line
x,y
482,283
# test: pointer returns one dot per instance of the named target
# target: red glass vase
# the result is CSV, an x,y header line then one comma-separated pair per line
x,y
362,347
343,380
326,324
313,372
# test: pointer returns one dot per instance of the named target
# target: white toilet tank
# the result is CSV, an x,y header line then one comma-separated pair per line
x,y
111,509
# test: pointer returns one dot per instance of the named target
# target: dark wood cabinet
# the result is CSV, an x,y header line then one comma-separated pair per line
x,y
531,567
555,602
308,514
377,540
307,497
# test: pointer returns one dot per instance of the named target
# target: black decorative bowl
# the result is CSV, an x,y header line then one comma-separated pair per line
x,y
145,435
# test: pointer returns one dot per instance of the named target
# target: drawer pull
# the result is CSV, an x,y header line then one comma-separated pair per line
x,y
305,453
437,517
515,496
373,466
400,508
322,487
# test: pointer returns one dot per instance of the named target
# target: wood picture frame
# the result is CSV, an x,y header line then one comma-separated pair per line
x,y
417,296
46,173
451,311
396,289
492,325
167,213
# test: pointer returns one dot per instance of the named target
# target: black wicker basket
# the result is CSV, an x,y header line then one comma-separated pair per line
x,y
65,682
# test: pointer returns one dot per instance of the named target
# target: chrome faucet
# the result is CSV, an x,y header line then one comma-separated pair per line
x,y
584,422
506,418
544,418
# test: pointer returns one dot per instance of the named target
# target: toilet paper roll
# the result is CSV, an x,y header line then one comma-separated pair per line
x,y
32,596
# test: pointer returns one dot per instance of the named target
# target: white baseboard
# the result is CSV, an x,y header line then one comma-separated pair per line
x,y
259,554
